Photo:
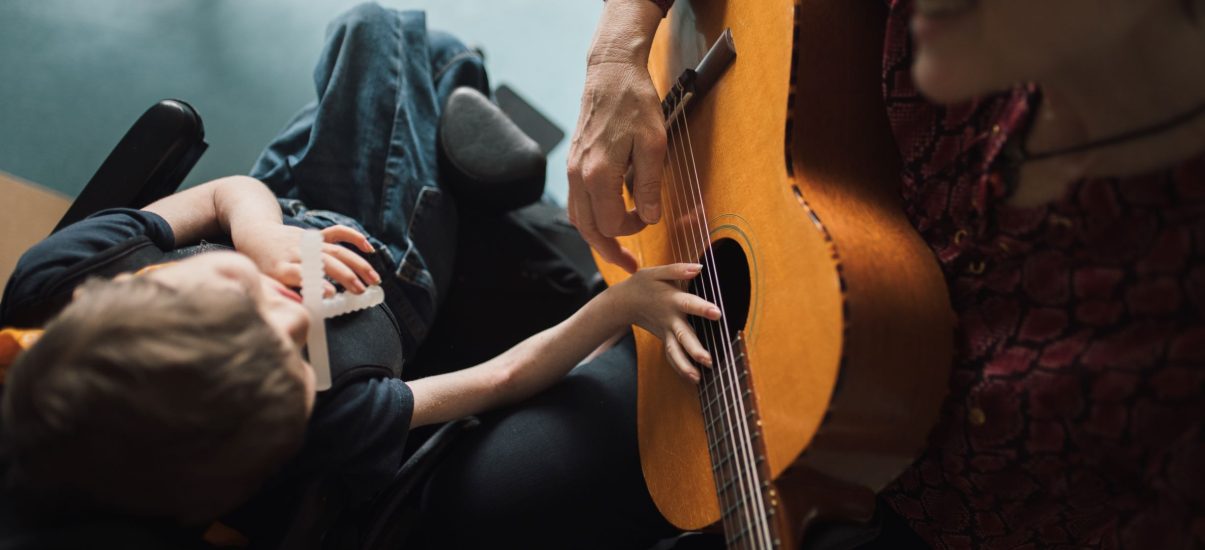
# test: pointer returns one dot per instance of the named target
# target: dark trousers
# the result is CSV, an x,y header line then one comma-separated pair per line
x,y
560,470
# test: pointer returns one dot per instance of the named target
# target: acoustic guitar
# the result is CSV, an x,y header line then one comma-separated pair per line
x,y
833,352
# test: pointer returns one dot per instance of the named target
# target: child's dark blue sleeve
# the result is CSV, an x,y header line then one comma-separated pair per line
x,y
355,442
52,268
358,433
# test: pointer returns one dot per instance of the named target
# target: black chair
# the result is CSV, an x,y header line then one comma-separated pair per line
x,y
149,162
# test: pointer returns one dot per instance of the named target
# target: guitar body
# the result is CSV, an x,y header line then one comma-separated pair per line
x,y
846,323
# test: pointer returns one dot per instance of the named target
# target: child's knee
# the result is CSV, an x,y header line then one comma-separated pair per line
x,y
453,64
367,20
444,47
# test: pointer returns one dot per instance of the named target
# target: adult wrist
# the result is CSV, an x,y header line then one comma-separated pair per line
x,y
625,33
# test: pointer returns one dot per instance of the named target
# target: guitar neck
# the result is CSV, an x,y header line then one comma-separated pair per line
x,y
748,502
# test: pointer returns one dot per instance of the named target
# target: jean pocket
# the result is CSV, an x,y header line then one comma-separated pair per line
x,y
426,248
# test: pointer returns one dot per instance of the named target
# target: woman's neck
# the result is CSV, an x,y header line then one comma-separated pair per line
x,y
1151,77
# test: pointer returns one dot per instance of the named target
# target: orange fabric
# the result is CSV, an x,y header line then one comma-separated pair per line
x,y
13,341
221,535
151,268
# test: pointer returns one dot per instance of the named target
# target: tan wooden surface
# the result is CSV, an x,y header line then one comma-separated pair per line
x,y
27,214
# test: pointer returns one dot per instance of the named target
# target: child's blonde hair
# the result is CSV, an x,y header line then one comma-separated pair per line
x,y
141,399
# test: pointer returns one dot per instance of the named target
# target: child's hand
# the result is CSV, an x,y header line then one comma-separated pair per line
x,y
653,299
275,250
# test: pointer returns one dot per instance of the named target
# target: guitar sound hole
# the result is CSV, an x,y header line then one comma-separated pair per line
x,y
725,267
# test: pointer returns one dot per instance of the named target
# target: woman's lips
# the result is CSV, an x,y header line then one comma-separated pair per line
x,y
928,23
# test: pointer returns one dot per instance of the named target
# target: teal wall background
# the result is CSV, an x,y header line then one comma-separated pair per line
x,y
74,74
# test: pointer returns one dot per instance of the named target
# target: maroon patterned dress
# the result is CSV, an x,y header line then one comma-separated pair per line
x,y
1077,400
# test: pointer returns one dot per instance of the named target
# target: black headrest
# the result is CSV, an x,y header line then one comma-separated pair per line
x,y
485,159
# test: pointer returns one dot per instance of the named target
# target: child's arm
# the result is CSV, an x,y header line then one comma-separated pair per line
x,y
246,209
215,208
649,298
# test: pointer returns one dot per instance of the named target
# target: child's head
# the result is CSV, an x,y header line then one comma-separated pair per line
x,y
169,395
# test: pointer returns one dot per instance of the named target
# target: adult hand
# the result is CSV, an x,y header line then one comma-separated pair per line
x,y
275,248
620,125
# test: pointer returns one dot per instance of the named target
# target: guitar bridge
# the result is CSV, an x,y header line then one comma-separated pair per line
x,y
697,81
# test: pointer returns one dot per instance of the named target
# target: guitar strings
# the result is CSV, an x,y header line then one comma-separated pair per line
x,y
738,429
707,392
761,505
752,483
712,390
712,279
738,484
746,479
730,464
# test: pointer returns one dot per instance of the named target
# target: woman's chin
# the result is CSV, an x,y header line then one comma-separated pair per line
x,y
943,82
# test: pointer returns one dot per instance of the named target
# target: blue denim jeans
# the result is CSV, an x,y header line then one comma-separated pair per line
x,y
363,154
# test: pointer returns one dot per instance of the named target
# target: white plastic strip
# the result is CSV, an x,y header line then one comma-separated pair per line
x,y
323,309
311,297
346,302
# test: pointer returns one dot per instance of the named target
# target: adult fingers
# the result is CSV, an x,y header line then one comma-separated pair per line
x,y
678,360
581,214
611,251
604,185
648,158
345,234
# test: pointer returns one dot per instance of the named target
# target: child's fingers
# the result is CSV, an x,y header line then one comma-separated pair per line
x,y
288,274
690,343
675,272
358,264
694,305
678,360
342,274
345,234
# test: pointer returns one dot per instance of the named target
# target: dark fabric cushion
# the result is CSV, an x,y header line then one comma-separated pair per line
x,y
485,159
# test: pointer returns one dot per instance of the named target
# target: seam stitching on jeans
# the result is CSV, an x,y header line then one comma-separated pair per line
x,y
467,54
